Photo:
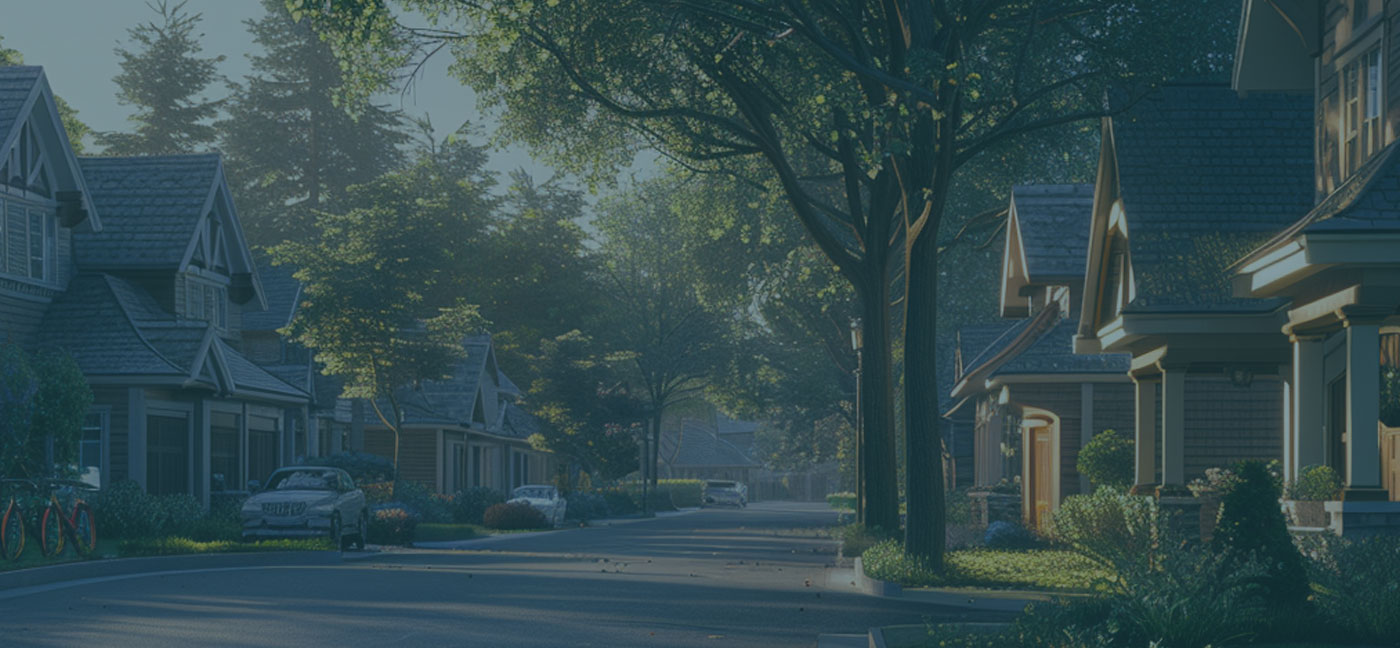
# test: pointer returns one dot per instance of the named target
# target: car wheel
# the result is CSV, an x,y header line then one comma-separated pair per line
x,y
360,538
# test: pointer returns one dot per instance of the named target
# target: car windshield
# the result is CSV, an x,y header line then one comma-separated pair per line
x,y
303,480
535,492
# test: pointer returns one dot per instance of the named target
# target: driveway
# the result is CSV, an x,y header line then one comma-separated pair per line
x,y
716,577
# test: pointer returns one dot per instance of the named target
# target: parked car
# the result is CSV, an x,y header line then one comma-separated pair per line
x,y
308,502
731,493
545,499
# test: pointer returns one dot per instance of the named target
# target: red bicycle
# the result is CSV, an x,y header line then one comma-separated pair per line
x,y
27,507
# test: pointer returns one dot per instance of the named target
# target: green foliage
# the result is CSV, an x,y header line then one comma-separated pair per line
x,y
425,504
1252,527
856,539
289,147
685,493
469,505
1032,569
1117,530
164,80
392,526
845,501
1316,484
512,516
1358,585
175,545
124,510
41,394
1107,460
586,416
1390,397
586,506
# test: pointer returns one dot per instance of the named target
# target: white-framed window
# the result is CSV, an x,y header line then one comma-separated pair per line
x,y
206,301
92,446
28,240
1362,109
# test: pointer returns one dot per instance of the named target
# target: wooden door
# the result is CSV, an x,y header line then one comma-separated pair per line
x,y
1390,461
1039,484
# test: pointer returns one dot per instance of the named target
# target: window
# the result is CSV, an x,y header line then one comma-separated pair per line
x,y
262,447
90,448
1361,110
225,452
206,302
28,241
167,454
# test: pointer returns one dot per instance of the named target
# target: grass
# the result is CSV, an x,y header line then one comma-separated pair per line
x,y
1032,569
842,501
954,635
32,557
174,546
448,532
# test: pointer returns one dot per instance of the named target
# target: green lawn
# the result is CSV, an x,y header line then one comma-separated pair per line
x,y
448,532
953,635
1033,569
174,546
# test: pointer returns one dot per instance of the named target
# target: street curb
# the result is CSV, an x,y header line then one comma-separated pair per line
x,y
37,576
991,600
592,524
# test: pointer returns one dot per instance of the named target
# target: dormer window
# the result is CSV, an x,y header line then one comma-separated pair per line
x,y
28,241
1361,110
206,301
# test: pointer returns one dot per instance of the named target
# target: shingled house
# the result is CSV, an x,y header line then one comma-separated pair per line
x,y
1190,180
1032,393
1334,266
464,431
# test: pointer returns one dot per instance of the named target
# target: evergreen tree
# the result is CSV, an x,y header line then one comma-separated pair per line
x,y
165,79
289,147
76,129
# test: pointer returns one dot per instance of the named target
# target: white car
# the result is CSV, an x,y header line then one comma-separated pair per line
x,y
545,499
308,502
729,493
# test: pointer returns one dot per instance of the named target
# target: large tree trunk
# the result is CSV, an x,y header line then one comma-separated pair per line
x,y
924,530
877,409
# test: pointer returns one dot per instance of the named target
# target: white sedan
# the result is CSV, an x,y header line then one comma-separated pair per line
x,y
545,499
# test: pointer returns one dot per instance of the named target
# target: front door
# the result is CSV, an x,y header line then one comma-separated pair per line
x,y
1039,484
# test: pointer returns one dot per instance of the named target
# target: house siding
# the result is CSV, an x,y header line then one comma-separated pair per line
x,y
1226,423
117,399
418,453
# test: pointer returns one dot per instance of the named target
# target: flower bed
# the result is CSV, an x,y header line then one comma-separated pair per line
x,y
1037,569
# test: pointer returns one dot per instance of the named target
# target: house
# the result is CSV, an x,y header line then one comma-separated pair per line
x,y
1334,266
1189,180
148,298
1026,390
465,431
960,426
693,449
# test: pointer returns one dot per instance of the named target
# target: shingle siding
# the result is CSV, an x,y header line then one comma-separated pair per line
x,y
1226,424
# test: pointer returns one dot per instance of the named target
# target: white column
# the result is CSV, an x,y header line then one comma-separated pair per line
x,y
1145,431
1363,406
1307,441
1174,427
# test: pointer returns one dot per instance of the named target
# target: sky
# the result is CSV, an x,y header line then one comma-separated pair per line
x,y
74,41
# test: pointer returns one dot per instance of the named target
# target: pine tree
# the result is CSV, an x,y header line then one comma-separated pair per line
x,y
289,147
76,129
165,78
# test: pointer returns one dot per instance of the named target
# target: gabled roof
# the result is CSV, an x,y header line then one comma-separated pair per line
x,y
283,291
154,206
697,446
518,423
508,386
1053,353
451,401
973,341
25,97
1053,221
1204,176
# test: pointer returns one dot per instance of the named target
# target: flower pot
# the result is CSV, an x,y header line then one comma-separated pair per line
x,y
1308,513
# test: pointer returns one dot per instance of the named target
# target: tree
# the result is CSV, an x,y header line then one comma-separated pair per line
x,y
165,79
579,396
289,147
44,399
863,112
383,305
74,127
655,318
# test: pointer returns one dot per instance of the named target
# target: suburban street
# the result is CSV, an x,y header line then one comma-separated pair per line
x,y
716,577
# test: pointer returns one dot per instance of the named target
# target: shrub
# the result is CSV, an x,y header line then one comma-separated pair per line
x,y
685,493
362,466
1005,535
392,526
378,492
959,508
429,506
1107,460
1316,484
1110,526
1390,397
842,501
470,504
620,503
123,510
179,512
1252,526
856,539
511,516
585,506
1358,585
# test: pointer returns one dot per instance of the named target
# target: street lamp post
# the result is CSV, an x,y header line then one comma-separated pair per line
x,y
856,344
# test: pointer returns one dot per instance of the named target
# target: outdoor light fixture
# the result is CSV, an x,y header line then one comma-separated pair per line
x,y
855,333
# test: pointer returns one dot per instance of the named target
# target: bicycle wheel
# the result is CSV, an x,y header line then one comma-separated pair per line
x,y
12,532
51,531
82,529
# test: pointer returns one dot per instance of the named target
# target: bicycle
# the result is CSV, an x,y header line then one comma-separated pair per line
x,y
54,527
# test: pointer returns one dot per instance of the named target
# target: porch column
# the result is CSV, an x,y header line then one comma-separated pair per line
x,y
1305,440
1363,457
1174,426
1145,431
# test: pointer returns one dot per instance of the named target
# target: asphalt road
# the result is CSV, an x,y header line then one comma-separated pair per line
x,y
717,577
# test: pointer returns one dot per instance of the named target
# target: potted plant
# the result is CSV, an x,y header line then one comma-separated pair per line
x,y
1306,496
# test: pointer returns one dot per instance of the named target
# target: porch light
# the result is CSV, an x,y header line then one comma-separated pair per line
x,y
855,334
